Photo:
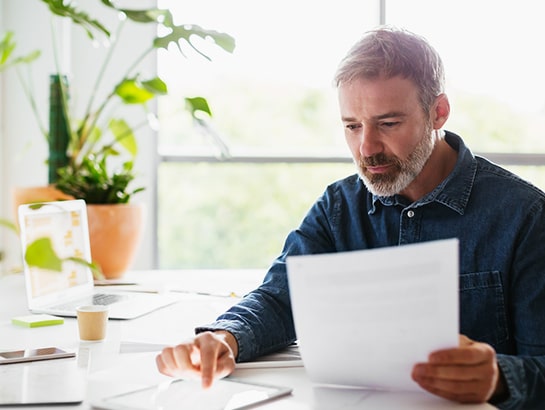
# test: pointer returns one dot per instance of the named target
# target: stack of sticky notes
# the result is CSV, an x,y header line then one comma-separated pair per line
x,y
37,320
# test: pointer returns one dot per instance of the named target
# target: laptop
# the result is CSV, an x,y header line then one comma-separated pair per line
x,y
64,223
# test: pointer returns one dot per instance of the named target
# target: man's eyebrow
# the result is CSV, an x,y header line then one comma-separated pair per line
x,y
379,117
349,119
392,114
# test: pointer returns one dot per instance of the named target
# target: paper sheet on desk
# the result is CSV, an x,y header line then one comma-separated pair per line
x,y
364,318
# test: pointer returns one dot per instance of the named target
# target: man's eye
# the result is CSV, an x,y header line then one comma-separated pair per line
x,y
389,124
353,127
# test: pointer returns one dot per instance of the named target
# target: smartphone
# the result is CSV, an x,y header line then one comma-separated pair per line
x,y
30,355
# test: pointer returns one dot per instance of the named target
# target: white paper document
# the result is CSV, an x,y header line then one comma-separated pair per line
x,y
364,318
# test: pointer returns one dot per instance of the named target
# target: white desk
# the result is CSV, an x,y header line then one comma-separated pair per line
x,y
109,371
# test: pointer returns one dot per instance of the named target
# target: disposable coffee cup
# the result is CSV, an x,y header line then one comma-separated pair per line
x,y
92,321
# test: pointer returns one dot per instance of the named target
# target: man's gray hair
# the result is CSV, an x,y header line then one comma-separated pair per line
x,y
389,52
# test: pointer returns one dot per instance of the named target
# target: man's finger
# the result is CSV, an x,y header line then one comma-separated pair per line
x,y
208,361
456,372
175,361
472,354
460,393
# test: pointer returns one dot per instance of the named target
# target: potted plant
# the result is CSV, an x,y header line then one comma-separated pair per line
x,y
92,153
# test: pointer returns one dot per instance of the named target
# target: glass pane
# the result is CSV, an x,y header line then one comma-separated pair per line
x,y
494,67
536,175
234,215
274,94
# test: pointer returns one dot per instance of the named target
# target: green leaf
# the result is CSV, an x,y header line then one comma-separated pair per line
x,y
109,150
131,92
9,225
141,16
197,104
185,32
124,135
36,206
6,47
108,3
155,86
127,166
93,182
80,18
29,58
145,16
41,254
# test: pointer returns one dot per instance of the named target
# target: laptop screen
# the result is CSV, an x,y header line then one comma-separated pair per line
x,y
64,223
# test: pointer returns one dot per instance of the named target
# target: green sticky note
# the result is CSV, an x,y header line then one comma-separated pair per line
x,y
37,320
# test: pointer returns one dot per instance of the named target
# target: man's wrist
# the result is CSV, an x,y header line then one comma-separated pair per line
x,y
230,339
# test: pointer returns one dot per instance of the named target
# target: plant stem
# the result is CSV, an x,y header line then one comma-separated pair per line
x,y
138,60
32,102
100,75
91,146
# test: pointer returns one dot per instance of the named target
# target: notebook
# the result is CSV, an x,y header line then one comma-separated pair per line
x,y
60,293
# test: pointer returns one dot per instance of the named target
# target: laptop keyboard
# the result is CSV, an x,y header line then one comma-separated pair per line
x,y
107,298
97,299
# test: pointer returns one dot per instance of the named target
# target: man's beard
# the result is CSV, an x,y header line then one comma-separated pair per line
x,y
401,172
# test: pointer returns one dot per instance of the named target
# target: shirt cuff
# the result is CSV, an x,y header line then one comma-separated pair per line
x,y
513,373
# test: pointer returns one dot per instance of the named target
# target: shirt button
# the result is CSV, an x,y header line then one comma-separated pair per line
x,y
410,214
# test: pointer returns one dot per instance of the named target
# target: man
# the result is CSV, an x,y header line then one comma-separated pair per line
x,y
415,183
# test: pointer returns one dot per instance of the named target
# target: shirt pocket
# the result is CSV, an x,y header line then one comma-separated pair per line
x,y
482,307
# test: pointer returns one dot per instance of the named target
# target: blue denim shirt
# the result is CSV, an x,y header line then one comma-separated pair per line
x,y
499,220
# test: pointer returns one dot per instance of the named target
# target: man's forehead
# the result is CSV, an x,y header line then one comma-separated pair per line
x,y
377,99
361,84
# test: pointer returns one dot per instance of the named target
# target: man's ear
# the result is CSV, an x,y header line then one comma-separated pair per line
x,y
440,111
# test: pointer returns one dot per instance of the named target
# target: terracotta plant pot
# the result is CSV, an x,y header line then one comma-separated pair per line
x,y
44,193
115,232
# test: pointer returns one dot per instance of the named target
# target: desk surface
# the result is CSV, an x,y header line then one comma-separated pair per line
x,y
125,360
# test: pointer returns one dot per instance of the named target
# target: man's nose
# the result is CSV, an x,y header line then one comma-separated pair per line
x,y
370,143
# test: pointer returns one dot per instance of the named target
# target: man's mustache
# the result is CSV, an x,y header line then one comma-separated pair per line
x,y
377,160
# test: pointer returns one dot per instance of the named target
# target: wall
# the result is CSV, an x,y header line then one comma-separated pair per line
x,y
2,161
23,148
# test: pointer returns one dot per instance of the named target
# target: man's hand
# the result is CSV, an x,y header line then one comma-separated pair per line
x,y
207,356
466,374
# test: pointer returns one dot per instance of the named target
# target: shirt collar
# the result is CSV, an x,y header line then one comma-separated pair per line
x,y
453,192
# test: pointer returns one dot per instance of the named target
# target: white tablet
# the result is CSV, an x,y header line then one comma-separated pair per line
x,y
44,383
228,393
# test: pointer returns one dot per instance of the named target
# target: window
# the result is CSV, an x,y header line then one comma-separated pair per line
x,y
229,194
494,75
